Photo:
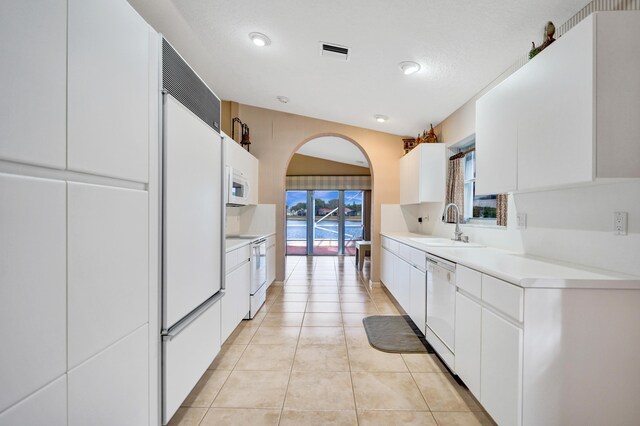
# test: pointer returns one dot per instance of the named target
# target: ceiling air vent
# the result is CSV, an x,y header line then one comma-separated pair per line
x,y
334,51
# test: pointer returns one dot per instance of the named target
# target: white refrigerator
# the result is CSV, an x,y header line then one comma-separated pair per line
x,y
192,231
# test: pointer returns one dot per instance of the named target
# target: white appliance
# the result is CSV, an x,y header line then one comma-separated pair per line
x,y
192,229
441,307
258,293
237,187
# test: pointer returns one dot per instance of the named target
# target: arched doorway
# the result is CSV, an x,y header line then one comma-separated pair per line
x,y
327,197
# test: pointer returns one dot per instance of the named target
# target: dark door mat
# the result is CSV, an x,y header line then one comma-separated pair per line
x,y
395,334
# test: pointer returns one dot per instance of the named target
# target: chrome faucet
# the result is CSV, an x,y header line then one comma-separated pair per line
x,y
457,232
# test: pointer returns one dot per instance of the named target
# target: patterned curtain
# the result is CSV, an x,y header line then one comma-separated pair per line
x,y
501,209
328,182
455,188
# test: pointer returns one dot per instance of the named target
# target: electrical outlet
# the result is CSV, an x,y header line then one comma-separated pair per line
x,y
620,223
426,218
521,221
419,220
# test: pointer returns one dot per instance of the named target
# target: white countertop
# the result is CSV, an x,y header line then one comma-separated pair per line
x,y
237,241
524,270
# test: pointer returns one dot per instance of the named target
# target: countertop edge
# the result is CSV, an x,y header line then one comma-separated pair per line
x,y
238,243
614,281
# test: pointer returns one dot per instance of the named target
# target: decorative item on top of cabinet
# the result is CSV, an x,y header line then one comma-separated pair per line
x,y
430,136
245,142
409,144
549,31
583,88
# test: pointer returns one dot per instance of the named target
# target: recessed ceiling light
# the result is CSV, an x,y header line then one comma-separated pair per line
x,y
380,118
409,67
282,99
259,39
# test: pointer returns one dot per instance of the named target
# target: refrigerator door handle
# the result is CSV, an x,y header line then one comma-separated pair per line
x,y
175,330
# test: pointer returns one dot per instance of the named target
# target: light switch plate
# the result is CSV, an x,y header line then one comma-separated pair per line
x,y
521,221
620,223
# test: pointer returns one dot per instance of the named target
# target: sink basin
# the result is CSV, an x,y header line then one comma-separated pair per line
x,y
444,242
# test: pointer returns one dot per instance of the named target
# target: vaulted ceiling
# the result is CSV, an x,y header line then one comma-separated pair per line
x,y
461,46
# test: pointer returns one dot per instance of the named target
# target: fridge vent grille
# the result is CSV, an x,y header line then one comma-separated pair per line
x,y
181,82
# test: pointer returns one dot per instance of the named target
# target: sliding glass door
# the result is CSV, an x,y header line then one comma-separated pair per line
x,y
353,220
325,236
297,222
330,226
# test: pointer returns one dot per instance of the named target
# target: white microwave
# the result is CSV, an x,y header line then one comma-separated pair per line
x,y
237,188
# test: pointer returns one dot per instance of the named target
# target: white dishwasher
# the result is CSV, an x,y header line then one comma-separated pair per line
x,y
441,307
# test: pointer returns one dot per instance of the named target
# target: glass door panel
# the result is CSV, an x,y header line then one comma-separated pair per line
x,y
353,220
296,223
326,223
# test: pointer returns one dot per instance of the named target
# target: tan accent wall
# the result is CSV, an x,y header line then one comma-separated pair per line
x,y
304,165
276,136
229,110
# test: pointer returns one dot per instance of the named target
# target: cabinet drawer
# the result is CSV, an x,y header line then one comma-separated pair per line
x,y
469,280
503,296
418,259
384,242
404,252
231,260
393,246
244,253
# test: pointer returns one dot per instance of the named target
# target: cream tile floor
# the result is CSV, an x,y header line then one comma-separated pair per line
x,y
305,360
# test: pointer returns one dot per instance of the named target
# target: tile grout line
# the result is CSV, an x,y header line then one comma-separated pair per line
x,y
295,352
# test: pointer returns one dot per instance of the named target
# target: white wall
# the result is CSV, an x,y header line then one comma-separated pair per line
x,y
571,225
251,220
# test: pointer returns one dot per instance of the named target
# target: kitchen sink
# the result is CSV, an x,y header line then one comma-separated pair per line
x,y
444,242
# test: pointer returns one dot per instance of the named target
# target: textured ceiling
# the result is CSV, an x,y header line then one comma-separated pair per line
x,y
334,149
461,45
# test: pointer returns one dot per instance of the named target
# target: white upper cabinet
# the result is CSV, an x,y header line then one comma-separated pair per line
x,y
555,132
108,100
423,174
33,71
241,160
497,138
574,108
33,285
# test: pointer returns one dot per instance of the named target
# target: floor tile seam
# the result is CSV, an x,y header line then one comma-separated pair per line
x,y
219,390
346,410
236,363
286,389
353,386
418,386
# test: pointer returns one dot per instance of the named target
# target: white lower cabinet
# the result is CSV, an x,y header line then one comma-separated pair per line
x,y
418,298
48,406
402,283
235,303
386,272
108,268
112,388
468,342
33,280
501,369
406,282
271,261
